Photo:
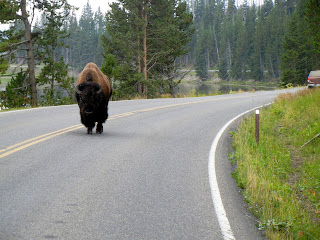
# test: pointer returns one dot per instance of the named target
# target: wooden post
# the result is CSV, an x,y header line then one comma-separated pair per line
x,y
257,126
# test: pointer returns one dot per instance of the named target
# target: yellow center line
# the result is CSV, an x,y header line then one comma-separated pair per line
x,y
121,115
30,142
34,139
25,144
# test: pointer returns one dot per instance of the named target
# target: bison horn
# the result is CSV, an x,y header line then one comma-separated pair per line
x,y
99,90
78,90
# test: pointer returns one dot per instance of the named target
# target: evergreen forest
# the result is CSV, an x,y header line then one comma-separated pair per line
x,y
143,45
273,41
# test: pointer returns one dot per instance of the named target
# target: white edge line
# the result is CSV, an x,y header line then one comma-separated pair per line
x,y
215,192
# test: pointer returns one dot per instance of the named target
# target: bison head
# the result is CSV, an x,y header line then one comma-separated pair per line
x,y
89,96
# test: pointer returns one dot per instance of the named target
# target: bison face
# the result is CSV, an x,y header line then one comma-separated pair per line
x,y
89,95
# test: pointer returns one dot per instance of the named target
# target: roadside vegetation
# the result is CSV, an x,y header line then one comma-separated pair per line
x,y
280,175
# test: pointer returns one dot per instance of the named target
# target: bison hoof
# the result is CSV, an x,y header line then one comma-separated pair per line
x,y
89,131
99,129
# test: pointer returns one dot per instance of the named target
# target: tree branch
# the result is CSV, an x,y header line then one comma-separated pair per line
x,y
19,16
310,140
152,66
179,81
19,43
153,58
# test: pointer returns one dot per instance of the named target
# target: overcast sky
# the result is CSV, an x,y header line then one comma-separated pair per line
x,y
103,4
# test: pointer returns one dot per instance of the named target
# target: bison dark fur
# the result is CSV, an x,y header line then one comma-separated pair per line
x,y
93,92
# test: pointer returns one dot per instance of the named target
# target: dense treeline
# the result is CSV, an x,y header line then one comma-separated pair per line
x,y
271,41
142,44
137,43
31,45
83,43
145,39
55,40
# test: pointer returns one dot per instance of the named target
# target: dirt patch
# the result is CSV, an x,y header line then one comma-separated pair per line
x,y
296,163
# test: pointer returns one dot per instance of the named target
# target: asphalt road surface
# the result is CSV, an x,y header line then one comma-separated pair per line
x,y
145,177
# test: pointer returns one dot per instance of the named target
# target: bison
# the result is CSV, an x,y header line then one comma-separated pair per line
x,y
93,92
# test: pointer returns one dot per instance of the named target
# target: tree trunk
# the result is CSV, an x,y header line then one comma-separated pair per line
x,y
229,55
30,56
145,70
53,75
139,64
171,81
273,74
216,43
261,65
139,58
208,60
138,12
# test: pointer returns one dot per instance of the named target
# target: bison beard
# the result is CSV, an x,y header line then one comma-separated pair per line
x,y
92,100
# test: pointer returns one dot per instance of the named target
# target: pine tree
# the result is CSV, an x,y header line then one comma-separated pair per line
x,y
100,23
17,91
208,50
258,56
14,10
146,38
123,44
86,39
171,32
312,15
292,57
246,40
298,57
73,30
202,54
229,32
54,71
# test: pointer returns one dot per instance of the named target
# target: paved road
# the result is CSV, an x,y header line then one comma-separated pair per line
x,y
145,177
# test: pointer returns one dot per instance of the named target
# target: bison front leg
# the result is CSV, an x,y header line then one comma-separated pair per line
x,y
99,128
87,122
90,127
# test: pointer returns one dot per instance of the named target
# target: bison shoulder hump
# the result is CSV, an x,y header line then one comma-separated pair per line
x,y
91,72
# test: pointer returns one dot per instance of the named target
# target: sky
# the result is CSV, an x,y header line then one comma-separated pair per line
x,y
103,4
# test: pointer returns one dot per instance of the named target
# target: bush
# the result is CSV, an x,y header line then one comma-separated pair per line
x,y
18,91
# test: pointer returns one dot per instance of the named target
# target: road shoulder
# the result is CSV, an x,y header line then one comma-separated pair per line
x,y
243,223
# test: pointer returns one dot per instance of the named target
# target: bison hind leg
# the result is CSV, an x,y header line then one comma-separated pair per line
x,y
99,128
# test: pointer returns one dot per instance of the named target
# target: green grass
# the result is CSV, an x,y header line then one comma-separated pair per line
x,y
14,69
281,179
5,79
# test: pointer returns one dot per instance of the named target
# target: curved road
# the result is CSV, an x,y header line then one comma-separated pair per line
x,y
145,177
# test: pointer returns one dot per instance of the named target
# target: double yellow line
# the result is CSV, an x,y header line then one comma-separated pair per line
x,y
25,144
19,146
